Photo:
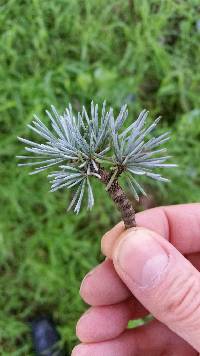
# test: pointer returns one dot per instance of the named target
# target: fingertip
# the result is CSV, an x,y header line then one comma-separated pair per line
x,y
103,323
109,242
109,238
86,287
102,286
141,256
80,350
83,327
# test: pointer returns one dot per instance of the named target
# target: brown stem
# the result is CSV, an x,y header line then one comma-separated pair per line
x,y
120,199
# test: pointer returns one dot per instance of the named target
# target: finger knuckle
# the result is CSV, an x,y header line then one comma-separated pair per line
x,y
183,300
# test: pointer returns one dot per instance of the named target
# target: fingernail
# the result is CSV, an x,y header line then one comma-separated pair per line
x,y
89,274
141,257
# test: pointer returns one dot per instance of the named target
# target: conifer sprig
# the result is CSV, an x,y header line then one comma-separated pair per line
x,y
80,144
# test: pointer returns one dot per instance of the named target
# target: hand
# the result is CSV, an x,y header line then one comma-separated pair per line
x,y
145,273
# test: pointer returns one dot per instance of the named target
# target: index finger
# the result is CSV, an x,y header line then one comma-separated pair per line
x,y
179,224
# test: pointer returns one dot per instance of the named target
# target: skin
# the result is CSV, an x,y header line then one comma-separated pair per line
x,y
152,269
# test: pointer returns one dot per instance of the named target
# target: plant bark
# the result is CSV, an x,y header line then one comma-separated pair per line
x,y
120,199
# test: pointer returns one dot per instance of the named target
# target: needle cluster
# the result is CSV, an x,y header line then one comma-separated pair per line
x,y
81,144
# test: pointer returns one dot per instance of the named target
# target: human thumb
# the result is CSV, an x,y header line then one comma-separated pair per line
x,y
162,279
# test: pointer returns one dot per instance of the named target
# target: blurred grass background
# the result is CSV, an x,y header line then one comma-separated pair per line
x,y
145,53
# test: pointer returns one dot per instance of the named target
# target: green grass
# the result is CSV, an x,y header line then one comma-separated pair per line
x,y
145,54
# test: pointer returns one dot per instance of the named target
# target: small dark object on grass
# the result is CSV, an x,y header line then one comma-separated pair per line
x,y
45,337
95,145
